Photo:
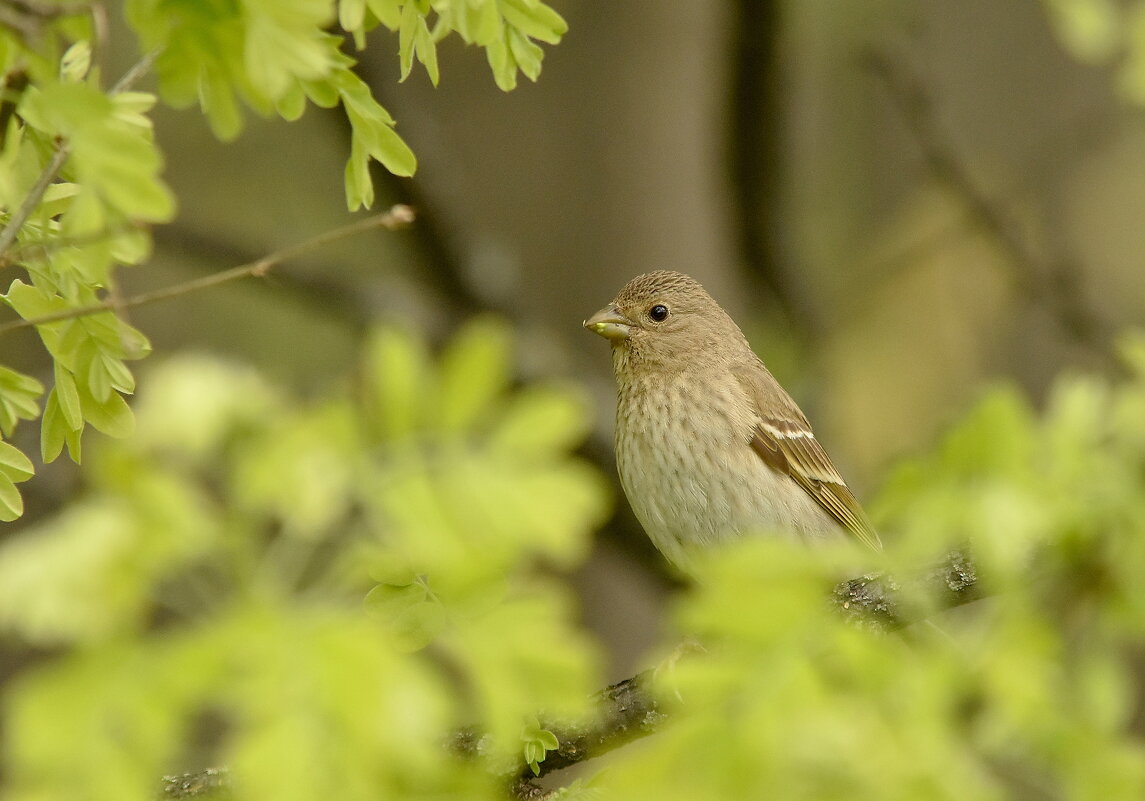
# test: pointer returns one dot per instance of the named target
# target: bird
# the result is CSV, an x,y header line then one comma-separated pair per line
x,y
709,446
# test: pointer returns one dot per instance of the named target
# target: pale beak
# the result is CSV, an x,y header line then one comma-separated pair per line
x,y
610,324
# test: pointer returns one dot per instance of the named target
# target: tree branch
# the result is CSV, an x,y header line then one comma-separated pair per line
x,y
753,158
397,217
629,710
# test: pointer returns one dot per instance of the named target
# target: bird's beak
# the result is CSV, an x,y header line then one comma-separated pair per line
x,y
610,324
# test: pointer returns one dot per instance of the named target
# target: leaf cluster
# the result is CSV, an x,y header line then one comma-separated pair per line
x,y
80,170
211,580
1035,692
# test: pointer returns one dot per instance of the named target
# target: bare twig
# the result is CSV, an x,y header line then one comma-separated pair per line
x,y
28,19
397,217
100,37
137,71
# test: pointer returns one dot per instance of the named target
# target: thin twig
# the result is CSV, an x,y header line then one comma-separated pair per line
x,y
132,76
45,10
100,37
397,217
33,198
27,27
28,19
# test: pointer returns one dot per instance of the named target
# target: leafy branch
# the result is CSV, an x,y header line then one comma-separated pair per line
x,y
632,709
56,163
81,174
396,217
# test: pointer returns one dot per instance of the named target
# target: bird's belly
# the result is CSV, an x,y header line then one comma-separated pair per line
x,y
702,484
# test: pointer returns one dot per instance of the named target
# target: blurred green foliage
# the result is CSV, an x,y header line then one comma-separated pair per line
x,y
1105,32
213,574
80,169
1032,693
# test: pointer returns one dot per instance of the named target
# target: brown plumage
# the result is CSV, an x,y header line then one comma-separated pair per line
x,y
708,444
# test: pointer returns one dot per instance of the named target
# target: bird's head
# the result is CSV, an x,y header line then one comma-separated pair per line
x,y
663,317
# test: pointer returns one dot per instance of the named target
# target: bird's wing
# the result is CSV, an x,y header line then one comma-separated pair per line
x,y
783,439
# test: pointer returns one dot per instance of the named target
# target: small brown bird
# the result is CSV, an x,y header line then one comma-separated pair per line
x,y
708,444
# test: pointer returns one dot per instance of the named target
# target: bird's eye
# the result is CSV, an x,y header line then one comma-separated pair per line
x,y
658,313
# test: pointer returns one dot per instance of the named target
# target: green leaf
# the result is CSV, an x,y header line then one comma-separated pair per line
x,y
521,658
132,107
57,198
527,54
104,373
18,399
474,372
359,186
74,440
998,435
355,95
300,471
220,105
54,430
133,343
11,504
324,94
113,416
283,45
351,14
537,743
98,382
372,128
406,34
502,63
400,381
131,247
388,148
76,62
426,50
68,398
111,154
486,26
31,301
541,421
410,613
535,20
292,104
117,373
388,12
14,464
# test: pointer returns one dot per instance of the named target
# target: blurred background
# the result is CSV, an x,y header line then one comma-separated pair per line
x,y
899,201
